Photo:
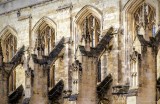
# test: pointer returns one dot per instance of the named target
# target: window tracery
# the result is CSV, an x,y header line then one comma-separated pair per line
x,y
10,47
93,29
144,18
47,39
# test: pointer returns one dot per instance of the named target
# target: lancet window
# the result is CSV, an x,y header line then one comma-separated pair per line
x,y
47,39
93,29
144,18
10,44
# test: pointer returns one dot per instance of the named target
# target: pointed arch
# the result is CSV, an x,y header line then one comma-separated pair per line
x,y
129,9
91,16
131,5
44,20
7,30
40,26
8,38
85,11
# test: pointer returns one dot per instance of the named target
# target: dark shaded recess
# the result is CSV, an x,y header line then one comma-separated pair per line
x,y
154,41
104,86
91,53
157,37
52,56
56,91
158,82
16,95
26,101
73,97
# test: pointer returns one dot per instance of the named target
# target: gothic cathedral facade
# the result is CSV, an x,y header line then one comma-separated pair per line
x,y
79,51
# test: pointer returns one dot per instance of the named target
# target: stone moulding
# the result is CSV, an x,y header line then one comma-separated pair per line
x,y
66,6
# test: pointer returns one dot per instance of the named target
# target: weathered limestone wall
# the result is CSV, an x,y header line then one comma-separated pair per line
x,y
3,87
63,13
147,87
88,80
40,89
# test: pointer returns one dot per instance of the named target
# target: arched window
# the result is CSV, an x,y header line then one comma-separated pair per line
x,y
93,25
10,46
88,26
47,36
144,17
16,78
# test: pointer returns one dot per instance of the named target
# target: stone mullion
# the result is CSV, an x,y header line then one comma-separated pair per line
x,y
49,40
45,42
10,49
96,33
